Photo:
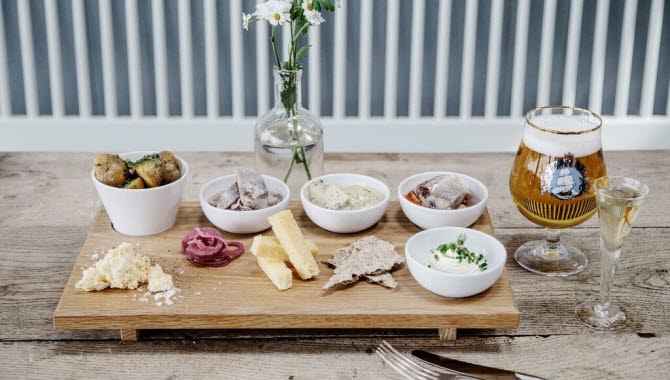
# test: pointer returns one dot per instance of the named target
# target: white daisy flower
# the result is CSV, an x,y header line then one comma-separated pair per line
x,y
312,16
246,19
276,12
308,6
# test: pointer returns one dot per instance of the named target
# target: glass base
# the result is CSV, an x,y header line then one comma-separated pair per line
x,y
561,261
591,314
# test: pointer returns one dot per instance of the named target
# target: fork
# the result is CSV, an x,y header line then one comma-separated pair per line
x,y
410,369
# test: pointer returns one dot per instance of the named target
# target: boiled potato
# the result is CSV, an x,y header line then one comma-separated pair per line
x,y
136,183
150,169
110,169
171,170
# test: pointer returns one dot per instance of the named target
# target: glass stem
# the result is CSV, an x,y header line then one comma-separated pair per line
x,y
608,263
553,239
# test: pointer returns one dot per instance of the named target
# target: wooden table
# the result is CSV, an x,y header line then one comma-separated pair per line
x,y
47,203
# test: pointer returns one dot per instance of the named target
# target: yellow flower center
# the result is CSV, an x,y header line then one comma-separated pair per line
x,y
310,6
277,16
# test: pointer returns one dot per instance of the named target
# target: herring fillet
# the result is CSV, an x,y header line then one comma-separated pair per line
x,y
228,197
287,231
444,192
248,192
254,193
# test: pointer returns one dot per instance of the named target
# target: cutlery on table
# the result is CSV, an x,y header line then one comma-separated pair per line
x,y
410,369
469,369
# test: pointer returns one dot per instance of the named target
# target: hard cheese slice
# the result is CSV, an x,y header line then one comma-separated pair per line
x,y
277,271
269,247
289,235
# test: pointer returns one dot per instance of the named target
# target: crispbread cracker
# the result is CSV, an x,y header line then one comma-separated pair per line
x,y
385,279
367,256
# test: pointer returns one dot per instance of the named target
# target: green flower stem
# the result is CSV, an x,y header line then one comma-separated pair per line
x,y
305,164
273,39
295,39
290,165
297,154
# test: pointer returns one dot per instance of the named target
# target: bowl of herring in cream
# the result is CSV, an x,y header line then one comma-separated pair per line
x,y
344,202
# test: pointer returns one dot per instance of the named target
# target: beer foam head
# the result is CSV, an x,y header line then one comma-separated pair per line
x,y
557,135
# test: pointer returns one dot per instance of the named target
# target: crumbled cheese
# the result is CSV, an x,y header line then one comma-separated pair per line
x,y
159,281
123,268
166,297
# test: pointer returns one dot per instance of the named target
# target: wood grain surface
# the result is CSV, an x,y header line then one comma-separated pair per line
x,y
239,296
47,205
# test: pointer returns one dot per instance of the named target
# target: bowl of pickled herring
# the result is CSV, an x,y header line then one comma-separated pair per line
x,y
442,199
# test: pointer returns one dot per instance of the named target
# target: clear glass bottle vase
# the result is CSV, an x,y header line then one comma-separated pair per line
x,y
288,142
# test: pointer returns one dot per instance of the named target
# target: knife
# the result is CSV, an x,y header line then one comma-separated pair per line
x,y
469,369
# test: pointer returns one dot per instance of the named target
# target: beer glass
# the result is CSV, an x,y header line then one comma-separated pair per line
x,y
558,159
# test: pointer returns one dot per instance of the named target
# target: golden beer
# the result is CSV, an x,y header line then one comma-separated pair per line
x,y
559,158
539,203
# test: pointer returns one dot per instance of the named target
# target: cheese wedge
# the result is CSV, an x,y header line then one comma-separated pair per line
x,y
269,247
289,235
277,271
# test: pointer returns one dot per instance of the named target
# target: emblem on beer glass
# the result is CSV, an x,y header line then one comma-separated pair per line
x,y
565,178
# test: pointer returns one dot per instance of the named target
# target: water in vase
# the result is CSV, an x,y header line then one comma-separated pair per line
x,y
294,160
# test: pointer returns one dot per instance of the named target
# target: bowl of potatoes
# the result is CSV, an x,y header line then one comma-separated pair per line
x,y
141,191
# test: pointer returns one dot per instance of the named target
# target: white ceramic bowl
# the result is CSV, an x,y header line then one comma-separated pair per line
x,y
241,222
142,212
417,253
346,221
426,218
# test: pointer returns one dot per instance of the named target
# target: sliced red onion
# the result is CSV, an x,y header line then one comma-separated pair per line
x,y
206,246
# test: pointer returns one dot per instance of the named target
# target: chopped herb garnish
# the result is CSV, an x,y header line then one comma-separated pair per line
x,y
436,257
462,253
146,158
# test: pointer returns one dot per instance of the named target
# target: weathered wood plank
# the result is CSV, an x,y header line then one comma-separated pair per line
x,y
35,269
47,203
55,188
588,356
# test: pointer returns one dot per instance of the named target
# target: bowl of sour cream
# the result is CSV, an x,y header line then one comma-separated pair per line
x,y
345,202
455,262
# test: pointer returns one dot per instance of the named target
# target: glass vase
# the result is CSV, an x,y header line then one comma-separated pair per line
x,y
288,142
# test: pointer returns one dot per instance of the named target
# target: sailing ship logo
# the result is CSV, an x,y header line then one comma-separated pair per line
x,y
565,178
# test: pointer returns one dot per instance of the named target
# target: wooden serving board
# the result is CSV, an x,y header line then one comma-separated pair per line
x,y
240,296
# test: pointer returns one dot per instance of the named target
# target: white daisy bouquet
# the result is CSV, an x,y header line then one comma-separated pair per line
x,y
298,15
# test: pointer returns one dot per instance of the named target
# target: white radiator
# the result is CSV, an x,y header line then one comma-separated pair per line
x,y
413,131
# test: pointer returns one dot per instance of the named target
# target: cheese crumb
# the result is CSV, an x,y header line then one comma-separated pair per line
x,y
158,280
123,268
